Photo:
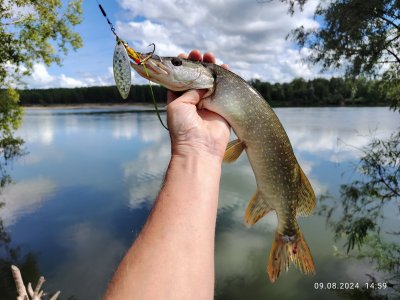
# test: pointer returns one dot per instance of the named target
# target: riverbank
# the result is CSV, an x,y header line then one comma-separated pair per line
x,y
133,107
161,106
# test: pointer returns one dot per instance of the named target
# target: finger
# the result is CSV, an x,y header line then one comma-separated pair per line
x,y
171,96
225,66
191,97
195,55
183,55
209,57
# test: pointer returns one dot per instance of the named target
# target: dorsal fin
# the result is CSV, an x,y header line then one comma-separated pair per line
x,y
306,196
256,209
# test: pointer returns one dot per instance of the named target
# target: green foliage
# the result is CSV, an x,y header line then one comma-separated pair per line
x,y
299,92
363,200
99,94
386,254
391,87
360,35
10,119
32,31
358,215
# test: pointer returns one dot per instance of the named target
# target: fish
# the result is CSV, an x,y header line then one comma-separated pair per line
x,y
282,185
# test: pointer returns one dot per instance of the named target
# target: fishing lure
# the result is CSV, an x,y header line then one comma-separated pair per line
x,y
122,65
122,69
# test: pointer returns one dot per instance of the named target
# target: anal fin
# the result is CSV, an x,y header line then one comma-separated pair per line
x,y
233,151
256,209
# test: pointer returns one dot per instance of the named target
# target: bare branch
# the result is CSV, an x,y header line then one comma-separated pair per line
x,y
394,54
34,294
21,290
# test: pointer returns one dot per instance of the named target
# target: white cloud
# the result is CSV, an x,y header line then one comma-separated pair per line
x,y
39,132
41,78
148,170
40,74
337,142
247,35
70,82
24,197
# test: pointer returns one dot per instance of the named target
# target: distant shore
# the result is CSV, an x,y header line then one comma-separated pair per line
x,y
160,106
135,107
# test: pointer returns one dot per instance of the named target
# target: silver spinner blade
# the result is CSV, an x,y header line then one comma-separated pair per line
x,y
122,70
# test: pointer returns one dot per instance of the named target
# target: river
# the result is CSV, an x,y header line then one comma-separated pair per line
x,y
87,183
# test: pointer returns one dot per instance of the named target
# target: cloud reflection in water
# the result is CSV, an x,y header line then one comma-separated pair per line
x,y
24,198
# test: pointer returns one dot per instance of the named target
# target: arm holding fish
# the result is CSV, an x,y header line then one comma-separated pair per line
x,y
173,256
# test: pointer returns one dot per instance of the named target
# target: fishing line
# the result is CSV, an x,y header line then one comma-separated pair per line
x,y
108,21
137,58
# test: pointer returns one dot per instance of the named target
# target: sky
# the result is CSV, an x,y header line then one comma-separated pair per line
x,y
250,36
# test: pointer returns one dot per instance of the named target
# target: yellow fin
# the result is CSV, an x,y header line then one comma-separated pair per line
x,y
287,249
306,200
233,151
256,209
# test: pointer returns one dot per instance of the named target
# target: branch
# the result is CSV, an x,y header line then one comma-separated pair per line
x,y
15,22
35,294
394,54
382,179
391,40
390,22
21,290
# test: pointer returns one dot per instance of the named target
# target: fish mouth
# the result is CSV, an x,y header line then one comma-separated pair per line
x,y
153,64
156,66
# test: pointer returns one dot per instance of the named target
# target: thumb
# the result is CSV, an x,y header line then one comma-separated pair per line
x,y
191,97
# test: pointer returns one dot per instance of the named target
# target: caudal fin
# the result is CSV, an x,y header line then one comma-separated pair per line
x,y
287,249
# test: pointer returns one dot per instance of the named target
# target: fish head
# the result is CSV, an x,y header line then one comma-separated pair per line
x,y
177,74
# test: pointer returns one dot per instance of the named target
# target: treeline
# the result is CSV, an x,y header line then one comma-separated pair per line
x,y
94,94
299,92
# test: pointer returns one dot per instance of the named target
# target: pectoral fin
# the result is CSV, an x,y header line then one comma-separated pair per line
x,y
233,150
256,209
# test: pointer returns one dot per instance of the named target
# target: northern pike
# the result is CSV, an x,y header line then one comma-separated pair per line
x,y
282,185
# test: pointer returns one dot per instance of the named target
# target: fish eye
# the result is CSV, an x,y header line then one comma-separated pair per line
x,y
176,61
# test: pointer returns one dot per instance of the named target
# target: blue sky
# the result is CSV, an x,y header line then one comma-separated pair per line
x,y
248,35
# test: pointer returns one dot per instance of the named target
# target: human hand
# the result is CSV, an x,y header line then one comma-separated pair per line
x,y
196,131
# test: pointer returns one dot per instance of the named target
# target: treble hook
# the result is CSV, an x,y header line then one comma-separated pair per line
x,y
150,55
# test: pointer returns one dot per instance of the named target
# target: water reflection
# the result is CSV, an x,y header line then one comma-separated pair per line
x,y
336,134
86,187
83,241
25,197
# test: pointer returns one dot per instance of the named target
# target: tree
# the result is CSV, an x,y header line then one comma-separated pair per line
x,y
10,120
361,36
364,38
366,34
33,31
359,213
30,31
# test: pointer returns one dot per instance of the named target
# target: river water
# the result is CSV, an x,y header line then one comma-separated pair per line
x,y
84,190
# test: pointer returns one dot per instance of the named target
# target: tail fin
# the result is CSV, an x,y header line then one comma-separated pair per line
x,y
289,249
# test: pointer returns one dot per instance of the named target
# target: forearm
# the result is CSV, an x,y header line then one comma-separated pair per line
x,y
173,257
